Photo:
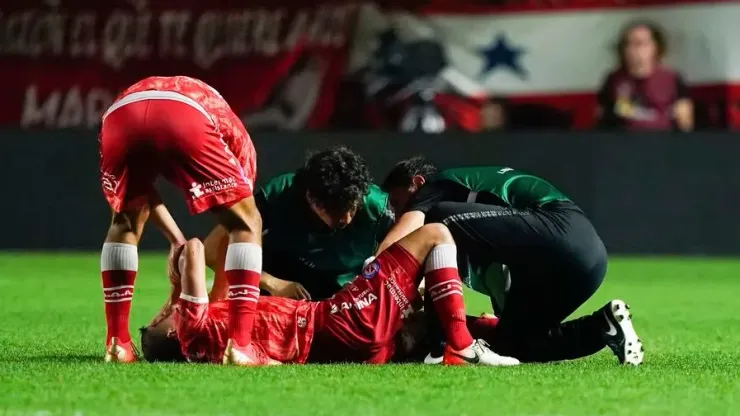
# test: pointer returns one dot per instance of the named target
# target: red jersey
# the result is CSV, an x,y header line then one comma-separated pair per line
x,y
283,329
358,324
225,121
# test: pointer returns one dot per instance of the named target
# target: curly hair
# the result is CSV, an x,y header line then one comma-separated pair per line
x,y
404,171
336,179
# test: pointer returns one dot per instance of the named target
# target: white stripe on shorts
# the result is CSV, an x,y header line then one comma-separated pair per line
x,y
157,95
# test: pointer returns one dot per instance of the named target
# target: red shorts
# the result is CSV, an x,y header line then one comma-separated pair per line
x,y
283,329
170,135
360,322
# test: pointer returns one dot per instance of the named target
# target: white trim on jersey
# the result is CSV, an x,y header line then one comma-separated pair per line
x,y
157,95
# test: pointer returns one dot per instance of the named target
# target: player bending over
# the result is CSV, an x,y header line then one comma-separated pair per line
x,y
182,129
358,324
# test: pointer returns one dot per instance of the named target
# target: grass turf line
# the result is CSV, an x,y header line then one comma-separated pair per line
x,y
52,332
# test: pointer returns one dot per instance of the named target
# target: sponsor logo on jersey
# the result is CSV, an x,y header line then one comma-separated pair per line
x,y
371,270
397,294
358,303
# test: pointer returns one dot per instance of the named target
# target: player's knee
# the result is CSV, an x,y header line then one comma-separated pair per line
x,y
191,252
436,233
194,247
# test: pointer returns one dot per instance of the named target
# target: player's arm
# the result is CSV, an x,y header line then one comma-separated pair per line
x,y
414,215
163,220
283,288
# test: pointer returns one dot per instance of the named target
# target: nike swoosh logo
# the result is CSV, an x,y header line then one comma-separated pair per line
x,y
612,329
473,360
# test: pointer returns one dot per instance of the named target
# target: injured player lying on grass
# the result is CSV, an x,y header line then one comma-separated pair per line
x,y
360,323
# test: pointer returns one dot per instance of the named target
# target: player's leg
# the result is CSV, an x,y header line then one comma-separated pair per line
x,y
243,267
207,172
557,262
126,180
119,264
433,246
216,244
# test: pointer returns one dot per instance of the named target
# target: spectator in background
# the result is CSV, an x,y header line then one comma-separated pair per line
x,y
494,115
642,93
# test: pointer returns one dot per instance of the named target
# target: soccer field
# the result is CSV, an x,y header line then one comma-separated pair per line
x,y
52,329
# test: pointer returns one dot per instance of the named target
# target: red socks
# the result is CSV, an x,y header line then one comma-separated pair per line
x,y
445,289
243,267
118,264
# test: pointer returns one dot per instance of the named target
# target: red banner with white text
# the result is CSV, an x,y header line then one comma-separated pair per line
x,y
278,63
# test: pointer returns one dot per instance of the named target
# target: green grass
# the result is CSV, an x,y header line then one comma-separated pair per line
x,y
51,331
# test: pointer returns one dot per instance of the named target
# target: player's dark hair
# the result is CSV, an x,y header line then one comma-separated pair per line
x,y
402,174
336,179
656,32
157,345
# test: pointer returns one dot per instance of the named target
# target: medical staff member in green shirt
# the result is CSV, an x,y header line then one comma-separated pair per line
x,y
319,225
554,258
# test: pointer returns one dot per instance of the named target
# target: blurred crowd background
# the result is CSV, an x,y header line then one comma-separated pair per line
x,y
399,65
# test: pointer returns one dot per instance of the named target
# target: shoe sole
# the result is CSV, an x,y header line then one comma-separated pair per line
x,y
633,351
433,360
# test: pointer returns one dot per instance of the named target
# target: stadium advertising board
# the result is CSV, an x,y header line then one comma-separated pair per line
x,y
63,62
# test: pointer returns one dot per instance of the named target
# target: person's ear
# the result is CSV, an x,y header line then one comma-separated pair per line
x,y
418,180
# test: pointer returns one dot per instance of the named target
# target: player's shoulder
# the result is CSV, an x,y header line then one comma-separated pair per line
x,y
465,172
376,203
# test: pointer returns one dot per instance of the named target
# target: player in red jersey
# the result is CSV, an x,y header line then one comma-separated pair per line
x,y
183,130
358,324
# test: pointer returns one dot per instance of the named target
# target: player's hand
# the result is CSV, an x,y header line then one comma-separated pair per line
x,y
173,258
288,289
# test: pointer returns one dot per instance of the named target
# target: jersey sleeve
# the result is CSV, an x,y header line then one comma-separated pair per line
x,y
427,197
